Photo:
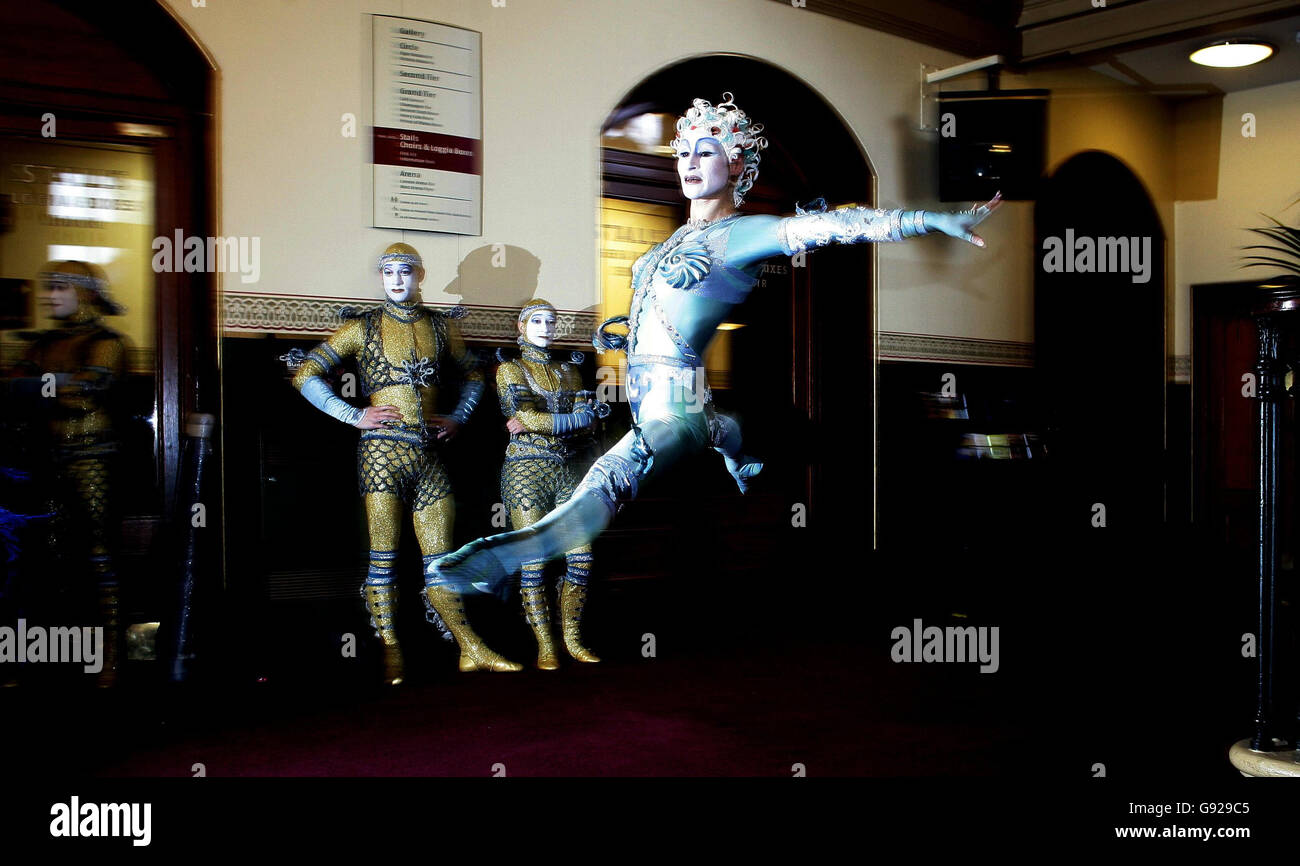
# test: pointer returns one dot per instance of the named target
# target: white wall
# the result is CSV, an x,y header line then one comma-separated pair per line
x,y
1256,175
551,72
553,69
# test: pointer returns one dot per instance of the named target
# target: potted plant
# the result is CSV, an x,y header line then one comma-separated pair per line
x,y
1284,245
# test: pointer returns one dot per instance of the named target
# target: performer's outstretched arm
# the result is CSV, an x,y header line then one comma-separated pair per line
x,y
759,237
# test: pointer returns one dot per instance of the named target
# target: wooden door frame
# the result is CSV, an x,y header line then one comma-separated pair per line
x,y
166,105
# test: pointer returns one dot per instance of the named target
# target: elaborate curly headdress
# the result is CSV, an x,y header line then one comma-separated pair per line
x,y
736,130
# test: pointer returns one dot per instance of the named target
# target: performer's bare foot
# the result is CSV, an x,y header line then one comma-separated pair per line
x,y
744,474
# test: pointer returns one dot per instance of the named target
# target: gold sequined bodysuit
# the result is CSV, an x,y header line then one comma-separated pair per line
x,y
541,467
541,471
86,360
402,351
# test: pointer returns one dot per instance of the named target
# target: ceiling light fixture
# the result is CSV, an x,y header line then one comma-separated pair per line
x,y
1232,53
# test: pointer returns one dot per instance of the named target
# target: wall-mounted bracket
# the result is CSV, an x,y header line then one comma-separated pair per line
x,y
932,75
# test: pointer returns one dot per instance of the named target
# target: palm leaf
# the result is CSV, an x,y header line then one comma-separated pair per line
x,y
1265,261
1284,241
1289,238
1268,247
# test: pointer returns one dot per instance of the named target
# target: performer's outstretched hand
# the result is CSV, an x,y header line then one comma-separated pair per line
x,y
374,417
959,225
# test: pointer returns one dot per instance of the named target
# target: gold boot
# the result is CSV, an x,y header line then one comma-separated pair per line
x,y
572,600
539,617
381,602
474,654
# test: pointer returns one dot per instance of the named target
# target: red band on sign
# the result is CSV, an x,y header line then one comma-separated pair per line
x,y
428,150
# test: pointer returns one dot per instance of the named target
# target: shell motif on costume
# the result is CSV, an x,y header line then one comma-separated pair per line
x,y
688,264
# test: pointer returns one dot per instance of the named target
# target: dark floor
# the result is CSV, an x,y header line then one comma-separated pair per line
x,y
749,678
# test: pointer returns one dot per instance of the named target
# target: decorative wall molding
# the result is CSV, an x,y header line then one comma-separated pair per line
x,y
894,346
306,317
281,314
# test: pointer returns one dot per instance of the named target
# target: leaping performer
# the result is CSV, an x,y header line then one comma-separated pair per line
x,y
682,290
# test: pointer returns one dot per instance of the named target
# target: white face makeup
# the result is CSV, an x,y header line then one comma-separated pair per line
x,y
60,298
539,328
400,282
702,166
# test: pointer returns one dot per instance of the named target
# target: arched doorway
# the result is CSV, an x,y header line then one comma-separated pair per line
x,y
796,364
106,123
1100,343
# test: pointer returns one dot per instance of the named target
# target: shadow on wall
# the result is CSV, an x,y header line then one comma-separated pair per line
x,y
496,275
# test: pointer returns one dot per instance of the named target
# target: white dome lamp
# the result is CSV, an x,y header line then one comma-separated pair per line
x,y
1232,53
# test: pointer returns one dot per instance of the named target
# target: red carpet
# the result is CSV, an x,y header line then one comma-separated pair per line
x,y
839,711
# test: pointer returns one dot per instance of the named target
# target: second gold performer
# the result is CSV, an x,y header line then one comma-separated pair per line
x,y
550,419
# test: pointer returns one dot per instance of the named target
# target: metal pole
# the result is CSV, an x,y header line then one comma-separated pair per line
x,y
1270,392
198,449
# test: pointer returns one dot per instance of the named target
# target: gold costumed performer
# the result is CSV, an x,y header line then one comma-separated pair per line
x,y
86,359
550,419
401,349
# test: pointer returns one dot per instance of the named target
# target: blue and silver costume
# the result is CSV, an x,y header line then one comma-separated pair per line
x,y
683,289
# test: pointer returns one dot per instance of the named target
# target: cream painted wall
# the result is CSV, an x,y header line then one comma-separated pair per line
x,y
1090,111
551,72
1256,175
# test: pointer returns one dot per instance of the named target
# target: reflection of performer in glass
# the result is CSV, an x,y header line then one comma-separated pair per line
x,y
550,424
74,366
683,289
402,349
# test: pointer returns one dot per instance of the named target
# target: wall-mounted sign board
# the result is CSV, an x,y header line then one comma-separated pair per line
x,y
428,110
